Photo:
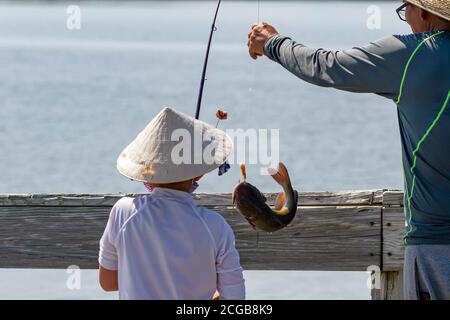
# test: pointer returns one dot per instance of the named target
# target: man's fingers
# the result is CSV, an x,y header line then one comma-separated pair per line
x,y
260,25
255,38
258,31
252,54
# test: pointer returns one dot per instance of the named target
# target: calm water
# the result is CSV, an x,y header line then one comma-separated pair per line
x,y
71,100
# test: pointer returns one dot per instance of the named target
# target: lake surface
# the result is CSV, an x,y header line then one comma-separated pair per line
x,y
71,100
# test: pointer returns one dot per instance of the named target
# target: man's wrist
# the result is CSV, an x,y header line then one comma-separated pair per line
x,y
272,47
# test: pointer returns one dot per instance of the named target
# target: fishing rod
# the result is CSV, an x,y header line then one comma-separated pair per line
x,y
205,65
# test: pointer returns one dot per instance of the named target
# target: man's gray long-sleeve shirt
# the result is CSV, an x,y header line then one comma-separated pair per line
x,y
423,110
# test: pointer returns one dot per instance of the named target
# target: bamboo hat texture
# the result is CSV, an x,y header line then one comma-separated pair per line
x,y
440,8
154,155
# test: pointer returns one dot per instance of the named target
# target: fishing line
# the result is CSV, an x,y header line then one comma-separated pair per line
x,y
252,94
259,12
258,20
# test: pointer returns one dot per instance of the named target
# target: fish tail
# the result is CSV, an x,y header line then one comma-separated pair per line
x,y
281,175
279,202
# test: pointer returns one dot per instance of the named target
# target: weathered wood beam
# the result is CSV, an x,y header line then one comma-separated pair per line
x,y
320,238
393,198
351,198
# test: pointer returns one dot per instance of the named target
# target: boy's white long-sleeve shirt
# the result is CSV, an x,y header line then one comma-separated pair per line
x,y
165,247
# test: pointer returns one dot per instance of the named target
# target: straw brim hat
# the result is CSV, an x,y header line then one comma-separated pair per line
x,y
440,8
172,149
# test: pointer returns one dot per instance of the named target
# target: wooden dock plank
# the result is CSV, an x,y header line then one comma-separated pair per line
x,y
393,198
352,198
321,238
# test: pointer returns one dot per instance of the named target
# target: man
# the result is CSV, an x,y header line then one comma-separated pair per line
x,y
414,71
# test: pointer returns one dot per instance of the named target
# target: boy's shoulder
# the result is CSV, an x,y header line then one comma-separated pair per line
x,y
125,208
124,203
127,202
213,218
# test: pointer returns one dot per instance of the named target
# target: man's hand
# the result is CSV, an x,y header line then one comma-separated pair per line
x,y
258,37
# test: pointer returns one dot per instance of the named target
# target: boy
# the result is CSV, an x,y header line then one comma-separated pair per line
x,y
161,245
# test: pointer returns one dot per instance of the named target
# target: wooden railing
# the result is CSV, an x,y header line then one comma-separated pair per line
x,y
333,231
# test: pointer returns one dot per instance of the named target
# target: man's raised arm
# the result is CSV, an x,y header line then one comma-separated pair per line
x,y
375,68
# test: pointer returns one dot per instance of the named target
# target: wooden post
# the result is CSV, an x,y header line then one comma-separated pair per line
x,y
390,282
390,286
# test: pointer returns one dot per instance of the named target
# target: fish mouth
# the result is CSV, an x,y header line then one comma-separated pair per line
x,y
247,197
236,194
240,192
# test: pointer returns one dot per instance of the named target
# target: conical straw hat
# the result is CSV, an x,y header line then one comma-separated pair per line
x,y
440,8
171,149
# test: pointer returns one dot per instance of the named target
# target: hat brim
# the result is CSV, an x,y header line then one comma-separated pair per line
x,y
171,173
441,10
